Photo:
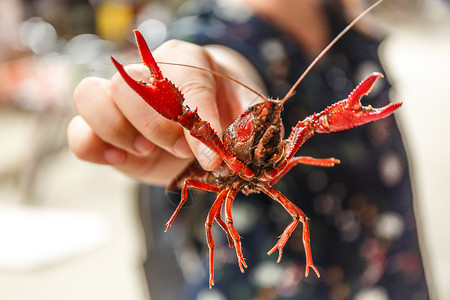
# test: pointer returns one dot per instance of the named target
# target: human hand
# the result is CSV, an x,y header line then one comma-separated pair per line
x,y
116,127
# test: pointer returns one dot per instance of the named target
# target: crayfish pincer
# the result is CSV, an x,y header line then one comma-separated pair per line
x,y
255,154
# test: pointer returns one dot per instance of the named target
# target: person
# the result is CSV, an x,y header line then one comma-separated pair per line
x,y
363,230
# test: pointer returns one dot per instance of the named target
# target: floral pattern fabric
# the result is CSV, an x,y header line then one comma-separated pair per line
x,y
363,230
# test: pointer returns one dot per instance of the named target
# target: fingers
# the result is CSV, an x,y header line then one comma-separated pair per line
x,y
86,145
117,127
99,110
158,167
199,89
93,101
103,134
162,132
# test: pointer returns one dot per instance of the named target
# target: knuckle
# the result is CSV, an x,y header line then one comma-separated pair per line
x,y
88,89
193,83
80,151
161,132
81,89
82,141
183,52
77,147
174,45
117,129
197,85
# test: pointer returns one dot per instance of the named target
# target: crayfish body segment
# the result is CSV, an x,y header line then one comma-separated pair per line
x,y
254,153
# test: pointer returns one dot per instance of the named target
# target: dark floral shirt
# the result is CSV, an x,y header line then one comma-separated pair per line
x,y
363,231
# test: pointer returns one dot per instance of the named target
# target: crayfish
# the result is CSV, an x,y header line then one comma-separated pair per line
x,y
255,155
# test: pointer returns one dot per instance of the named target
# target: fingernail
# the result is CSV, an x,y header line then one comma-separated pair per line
x,y
142,145
207,158
181,148
114,156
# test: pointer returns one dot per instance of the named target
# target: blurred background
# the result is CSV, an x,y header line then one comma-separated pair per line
x,y
70,230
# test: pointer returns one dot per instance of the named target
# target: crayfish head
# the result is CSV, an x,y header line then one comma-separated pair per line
x,y
255,136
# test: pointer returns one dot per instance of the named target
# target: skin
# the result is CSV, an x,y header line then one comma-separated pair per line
x,y
115,127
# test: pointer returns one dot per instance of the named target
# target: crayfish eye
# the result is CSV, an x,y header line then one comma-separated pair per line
x,y
245,128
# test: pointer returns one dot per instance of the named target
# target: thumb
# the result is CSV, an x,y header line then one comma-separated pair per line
x,y
199,89
200,95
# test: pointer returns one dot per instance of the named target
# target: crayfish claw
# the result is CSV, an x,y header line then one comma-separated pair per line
x,y
312,267
349,112
242,265
280,251
161,94
280,255
363,89
147,57
211,281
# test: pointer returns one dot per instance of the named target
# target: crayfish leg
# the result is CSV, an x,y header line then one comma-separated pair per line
x,y
306,160
190,183
234,234
298,216
213,212
222,224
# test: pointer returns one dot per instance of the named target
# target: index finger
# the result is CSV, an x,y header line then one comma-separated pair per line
x,y
159,130
199,90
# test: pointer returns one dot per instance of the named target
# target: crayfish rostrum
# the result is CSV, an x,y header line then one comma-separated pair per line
x,y
255,155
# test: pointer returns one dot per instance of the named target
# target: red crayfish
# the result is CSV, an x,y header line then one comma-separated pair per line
x,y
252,148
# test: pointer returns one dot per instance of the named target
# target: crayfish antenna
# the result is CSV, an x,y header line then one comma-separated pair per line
x,y
291,92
